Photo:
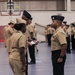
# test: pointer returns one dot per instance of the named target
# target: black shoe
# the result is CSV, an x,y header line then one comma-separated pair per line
x,y
31,63
37,50
69,52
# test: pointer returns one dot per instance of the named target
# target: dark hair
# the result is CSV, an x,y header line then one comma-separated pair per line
x,y
33,39
73,24
10,23
49,25
67,25
19,26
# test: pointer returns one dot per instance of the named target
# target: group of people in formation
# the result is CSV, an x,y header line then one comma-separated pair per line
x,y
22,35
19,37
69,32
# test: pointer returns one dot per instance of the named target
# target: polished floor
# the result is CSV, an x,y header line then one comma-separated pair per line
x,y
43,64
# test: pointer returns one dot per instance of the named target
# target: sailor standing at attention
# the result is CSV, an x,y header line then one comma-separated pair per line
x,y
58,45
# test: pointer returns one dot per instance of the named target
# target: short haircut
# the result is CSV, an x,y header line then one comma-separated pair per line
x,y
10,23
19,26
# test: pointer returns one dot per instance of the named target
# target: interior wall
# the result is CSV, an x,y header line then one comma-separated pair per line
x,y
40,17
42,5
39,5
72,5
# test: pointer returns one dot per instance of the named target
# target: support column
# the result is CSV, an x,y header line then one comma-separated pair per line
x,y
68,5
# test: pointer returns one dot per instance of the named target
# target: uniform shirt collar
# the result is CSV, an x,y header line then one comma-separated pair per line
x,y
58,29
16,31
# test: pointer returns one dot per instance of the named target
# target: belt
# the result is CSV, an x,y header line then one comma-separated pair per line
x,y
15,48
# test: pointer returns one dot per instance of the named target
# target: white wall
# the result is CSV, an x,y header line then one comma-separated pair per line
x,y
41,17
44,17
73,5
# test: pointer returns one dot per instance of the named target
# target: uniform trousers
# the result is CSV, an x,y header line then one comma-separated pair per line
x,y
49,39
26,63
16,66
73,42
32,53
68,44
58,68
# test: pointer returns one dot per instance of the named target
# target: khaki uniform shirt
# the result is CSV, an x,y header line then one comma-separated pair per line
x,y
30,28
73,31
35,33
16,41
58,39
45,32
53,30
49,30
5,28
8,33
67,31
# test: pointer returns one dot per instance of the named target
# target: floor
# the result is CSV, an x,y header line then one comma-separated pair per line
x,y
43,64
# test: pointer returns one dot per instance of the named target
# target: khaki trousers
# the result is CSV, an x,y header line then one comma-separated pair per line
x,y
16,67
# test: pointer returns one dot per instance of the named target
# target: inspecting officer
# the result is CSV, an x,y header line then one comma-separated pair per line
x,y
58,45
27,17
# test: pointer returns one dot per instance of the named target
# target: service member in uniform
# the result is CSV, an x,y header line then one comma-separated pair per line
x,y
58,45
20,20
27,17
5,34
73,36
8,33
64,25
49,34
45,33
35,36
17,50
67,31
31,46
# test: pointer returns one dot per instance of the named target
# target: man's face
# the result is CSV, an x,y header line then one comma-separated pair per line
x,y
54,23
23,17
12,25
27,20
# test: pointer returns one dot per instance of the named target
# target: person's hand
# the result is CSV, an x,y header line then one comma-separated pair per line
x,y
24,69
29,43
59,60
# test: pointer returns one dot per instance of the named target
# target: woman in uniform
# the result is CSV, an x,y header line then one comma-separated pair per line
x,y
58,45
17,50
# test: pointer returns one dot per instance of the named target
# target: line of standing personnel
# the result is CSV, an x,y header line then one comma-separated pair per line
x,y
67,31
70,36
